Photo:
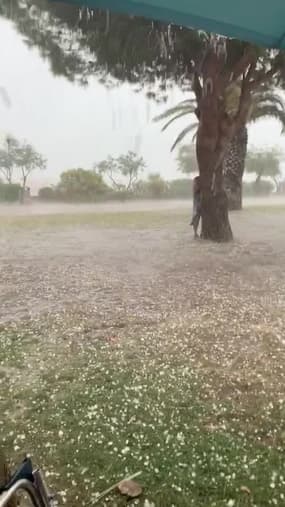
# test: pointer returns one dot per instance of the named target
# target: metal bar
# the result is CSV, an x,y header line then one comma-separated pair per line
x,y
22,484
41,487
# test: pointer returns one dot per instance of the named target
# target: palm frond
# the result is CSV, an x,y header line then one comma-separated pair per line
x,y
183,133
269,111
268,98
188,105
180,115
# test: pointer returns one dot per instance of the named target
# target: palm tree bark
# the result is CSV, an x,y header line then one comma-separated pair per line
x,y
214,210
216,130
215,219
213,136
233,168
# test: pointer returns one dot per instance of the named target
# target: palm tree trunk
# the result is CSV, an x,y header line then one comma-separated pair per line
x,y
214,210
215,219
233,167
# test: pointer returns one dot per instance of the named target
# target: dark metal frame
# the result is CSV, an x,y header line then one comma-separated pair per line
x,y
34,485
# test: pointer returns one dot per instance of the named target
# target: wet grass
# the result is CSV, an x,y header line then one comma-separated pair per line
x,y
133,219
93,412
266,208
193,399
139,219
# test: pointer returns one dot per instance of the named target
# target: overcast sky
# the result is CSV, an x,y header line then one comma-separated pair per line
x,y
74,127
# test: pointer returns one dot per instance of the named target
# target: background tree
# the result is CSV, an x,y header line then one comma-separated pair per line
x,y
156,186
152,53
8,158
27,160
48,193
122,172
108,168
186,158
180,188
9,192
130,166
81,185
266,102
264,164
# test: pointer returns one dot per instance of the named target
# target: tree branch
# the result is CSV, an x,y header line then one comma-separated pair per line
x,y
196,86
263,77
112,179
248,58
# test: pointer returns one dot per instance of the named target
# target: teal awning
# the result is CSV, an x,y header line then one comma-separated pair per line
x,y
259,21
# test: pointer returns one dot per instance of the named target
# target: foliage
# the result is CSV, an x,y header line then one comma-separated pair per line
x,y
81,185
266,103
8,158
184,108
187,160
48,194
264,163
27,160
20,157
160,55
79,43
9,192
122,172
156,186
180,188
261,189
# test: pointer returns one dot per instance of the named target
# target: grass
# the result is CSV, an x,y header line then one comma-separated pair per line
x,y
95,406
94,412
266,208
134,219
139,219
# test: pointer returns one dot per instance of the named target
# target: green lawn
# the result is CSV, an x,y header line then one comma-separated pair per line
x,y
110,219
92,413
134,219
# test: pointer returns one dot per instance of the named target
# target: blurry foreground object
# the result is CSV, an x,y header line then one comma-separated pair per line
x,y
258,21
5,97
26,480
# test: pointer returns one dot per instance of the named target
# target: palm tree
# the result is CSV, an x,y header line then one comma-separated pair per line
x,y
265,103
184,108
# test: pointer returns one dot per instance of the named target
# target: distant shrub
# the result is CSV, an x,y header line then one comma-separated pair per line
x,y
9,192
257,189
48,194
180,189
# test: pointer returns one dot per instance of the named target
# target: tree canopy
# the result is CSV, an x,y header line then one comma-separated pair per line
x,y
19,159
81,42
186,158
264,164
80,185
9,158
223,73
121,172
